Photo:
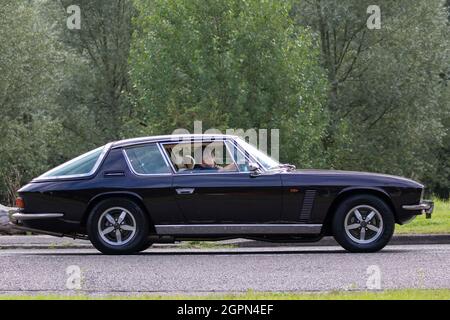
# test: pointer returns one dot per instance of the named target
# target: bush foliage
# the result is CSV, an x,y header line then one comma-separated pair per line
x,y
342,96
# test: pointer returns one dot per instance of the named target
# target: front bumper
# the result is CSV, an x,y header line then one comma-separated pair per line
x,y
425,207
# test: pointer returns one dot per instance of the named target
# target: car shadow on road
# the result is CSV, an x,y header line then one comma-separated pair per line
x,y
212,252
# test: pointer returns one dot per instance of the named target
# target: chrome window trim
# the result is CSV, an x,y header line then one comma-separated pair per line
x,y
166,157
211,173
170,138
231,154
162,140
200,173
130,166
163,155
91,173
251,157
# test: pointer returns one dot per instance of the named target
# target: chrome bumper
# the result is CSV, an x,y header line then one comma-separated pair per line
x,y
425,206
15,216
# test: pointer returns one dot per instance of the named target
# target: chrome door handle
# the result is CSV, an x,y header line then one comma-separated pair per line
x,y
185,190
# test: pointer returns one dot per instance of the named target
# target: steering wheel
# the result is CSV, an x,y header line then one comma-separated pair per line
x,y
189,162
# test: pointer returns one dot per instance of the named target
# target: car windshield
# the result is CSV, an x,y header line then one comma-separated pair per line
x,y
82,165
267,162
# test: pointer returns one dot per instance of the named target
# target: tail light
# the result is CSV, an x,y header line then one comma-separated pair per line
x,y
19,203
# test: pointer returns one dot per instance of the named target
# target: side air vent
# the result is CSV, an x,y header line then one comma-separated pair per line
x,y
112,174
308,202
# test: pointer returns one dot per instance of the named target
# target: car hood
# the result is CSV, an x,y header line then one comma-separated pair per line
x,y
356,177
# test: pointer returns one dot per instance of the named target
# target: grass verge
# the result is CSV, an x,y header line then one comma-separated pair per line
x,y
407,294
439,223
204,245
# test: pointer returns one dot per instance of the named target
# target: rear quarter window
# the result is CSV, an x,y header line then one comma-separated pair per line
x,y
81,166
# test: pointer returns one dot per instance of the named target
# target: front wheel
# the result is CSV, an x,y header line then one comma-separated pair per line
x,y
118,226
363,223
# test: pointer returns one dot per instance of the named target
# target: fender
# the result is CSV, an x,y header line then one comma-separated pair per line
x,y
115,194
104,195
353,190
363,188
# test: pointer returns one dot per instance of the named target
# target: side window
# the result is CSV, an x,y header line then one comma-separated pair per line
x,y
147,159
201,157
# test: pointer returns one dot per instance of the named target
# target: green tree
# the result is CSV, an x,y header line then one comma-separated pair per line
x,y
385,98
96,86
90,99
28,77
230,64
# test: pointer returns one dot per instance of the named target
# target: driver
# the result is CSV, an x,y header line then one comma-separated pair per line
x,y
208,161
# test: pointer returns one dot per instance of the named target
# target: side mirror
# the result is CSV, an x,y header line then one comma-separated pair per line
x,y
255,169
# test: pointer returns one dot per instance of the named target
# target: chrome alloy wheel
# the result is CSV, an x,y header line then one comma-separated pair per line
x,y
117,226
363,224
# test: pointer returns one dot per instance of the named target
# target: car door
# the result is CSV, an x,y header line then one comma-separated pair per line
x,y
231,196
152,180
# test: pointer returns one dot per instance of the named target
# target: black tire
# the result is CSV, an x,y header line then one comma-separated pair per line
x,y
135,217
146,245
346,214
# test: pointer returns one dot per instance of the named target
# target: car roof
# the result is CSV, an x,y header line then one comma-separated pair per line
x,y
170,138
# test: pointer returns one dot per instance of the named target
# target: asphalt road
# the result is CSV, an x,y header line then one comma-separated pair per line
x,y
172,271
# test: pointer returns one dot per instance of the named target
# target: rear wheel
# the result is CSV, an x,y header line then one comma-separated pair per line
x,y
363,223
146,245
118,226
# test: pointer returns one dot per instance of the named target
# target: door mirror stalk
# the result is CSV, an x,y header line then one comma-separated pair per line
x,y
255,169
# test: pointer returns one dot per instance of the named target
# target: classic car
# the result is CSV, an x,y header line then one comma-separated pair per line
x,y
129,194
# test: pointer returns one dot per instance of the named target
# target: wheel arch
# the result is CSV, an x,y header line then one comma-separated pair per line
x,y
116,194
352,191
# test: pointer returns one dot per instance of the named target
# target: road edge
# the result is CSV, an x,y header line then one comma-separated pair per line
x,y
402,239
